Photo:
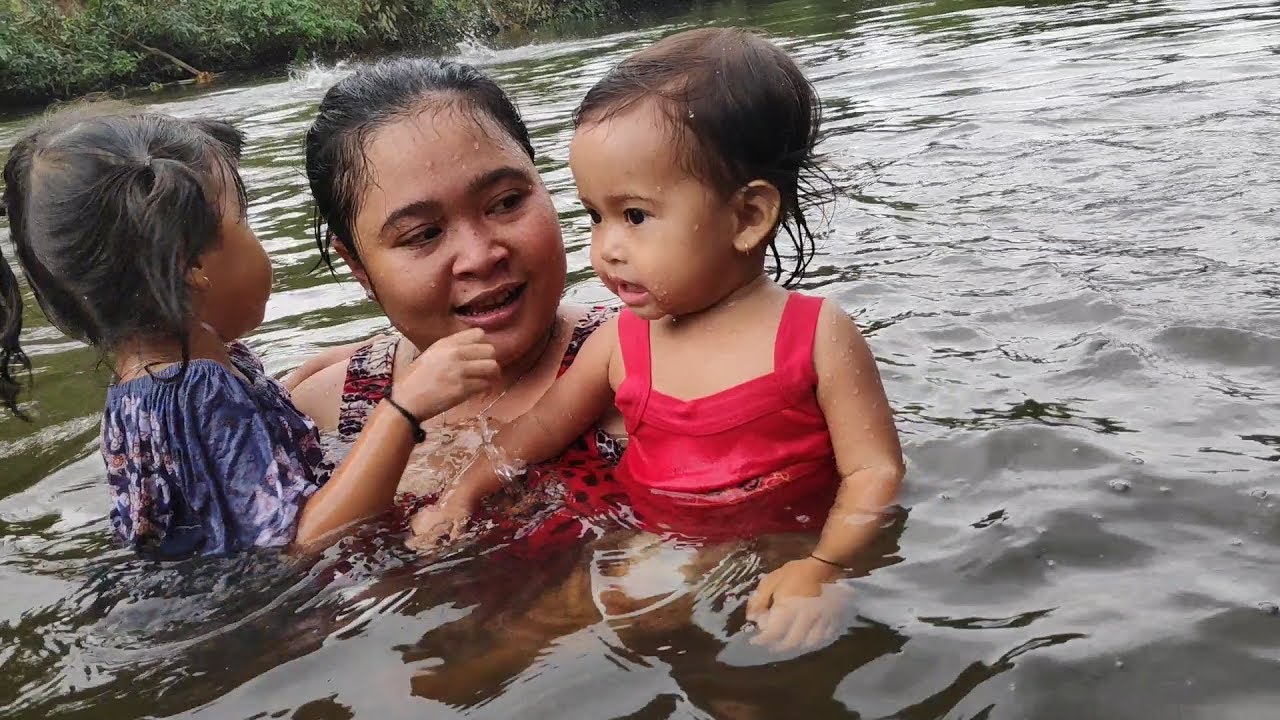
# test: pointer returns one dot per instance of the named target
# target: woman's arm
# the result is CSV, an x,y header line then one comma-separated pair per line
x,y
338,354
449,372
575,400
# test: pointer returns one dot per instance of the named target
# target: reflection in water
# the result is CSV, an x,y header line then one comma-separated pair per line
x,y
1056,223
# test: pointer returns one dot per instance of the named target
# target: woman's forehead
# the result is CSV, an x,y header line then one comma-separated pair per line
x,y
435,155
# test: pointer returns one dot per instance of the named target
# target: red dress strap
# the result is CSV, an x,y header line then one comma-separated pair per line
x,y
633,340
793,348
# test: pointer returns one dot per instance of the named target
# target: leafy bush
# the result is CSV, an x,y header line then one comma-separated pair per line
x,y
47,52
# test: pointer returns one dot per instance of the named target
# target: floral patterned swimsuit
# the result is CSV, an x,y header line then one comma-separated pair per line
x,y
580,482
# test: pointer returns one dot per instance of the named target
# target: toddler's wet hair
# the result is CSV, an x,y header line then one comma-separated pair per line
x,y
740,110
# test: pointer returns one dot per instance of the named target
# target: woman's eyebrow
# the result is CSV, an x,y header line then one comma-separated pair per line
x,y
420,208
495,176
417,208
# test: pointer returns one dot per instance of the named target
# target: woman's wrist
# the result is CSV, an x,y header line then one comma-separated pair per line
x,y
412,423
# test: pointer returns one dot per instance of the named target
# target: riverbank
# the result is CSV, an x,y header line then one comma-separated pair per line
x,y
62,49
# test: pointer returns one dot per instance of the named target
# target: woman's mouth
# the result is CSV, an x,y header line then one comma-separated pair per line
x,y
492,308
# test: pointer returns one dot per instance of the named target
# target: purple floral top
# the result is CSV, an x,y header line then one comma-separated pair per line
x,y
207,463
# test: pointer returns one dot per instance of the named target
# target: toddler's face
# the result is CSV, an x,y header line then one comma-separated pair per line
x,y
239,278
661,238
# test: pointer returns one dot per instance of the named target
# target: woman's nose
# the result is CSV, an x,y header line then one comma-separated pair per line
x,y
479,253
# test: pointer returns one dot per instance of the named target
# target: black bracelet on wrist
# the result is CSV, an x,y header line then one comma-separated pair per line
x,y
418,433
824,561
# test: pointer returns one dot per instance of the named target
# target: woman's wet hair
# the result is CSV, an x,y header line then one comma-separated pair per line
x,y
739,109
108,212
372,97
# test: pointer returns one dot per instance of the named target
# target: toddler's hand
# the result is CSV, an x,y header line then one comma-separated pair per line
x,y
450,371
437,525
797,606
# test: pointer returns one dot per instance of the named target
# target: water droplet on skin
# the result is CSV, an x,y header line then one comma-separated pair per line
x,y
857,391
1075,450
1051,563
1097,516
1166,489
1120,486
1237,542
1119,663
475,146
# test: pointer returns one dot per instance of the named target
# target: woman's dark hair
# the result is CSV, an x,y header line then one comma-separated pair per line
x,y
107,214
739,109
367,100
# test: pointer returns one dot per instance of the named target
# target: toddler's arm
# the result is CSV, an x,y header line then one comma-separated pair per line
x,y
575,400
868,456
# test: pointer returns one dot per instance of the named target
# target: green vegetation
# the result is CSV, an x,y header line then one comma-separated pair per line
x,y
54,49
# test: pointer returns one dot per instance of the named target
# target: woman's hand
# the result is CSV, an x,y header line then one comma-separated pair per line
x,y
447,373
797,606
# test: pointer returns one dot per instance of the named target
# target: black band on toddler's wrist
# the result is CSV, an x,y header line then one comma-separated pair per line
x,y
824,561
418,433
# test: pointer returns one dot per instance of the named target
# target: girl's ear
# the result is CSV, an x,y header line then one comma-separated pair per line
x,y
757,207
197,279
357,268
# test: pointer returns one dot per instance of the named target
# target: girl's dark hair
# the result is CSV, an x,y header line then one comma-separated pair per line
x,y
369,99
739,109
107,214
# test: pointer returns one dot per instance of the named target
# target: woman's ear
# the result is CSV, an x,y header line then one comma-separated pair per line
x,y
357,268
758,207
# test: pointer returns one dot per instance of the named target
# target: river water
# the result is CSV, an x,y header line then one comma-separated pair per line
x,y
1057,223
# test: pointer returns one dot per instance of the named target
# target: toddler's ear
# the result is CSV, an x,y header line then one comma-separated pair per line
x,y
758,207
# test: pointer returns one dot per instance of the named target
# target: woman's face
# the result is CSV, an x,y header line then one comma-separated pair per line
x,y
455,230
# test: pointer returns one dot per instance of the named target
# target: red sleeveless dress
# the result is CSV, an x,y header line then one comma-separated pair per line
x,y
752,459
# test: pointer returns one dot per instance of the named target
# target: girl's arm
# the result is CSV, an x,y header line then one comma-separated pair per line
x,y
575,400
868,453
364,485
868,456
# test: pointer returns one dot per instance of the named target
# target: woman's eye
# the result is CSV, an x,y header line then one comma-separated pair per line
x,y
424,236
634,216
507,203
595,217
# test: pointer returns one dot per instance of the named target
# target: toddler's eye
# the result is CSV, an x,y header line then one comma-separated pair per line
x,y
595,216
634,216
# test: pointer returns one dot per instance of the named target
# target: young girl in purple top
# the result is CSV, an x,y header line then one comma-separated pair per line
x,y
131,231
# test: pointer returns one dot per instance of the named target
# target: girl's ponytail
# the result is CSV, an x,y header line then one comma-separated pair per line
x,y
108,214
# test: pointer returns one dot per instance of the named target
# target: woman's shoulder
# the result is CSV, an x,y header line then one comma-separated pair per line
x,y
320,396
586,320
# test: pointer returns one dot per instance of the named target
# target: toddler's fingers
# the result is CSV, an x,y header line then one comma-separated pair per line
x,y
760,600
774,625
822,634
